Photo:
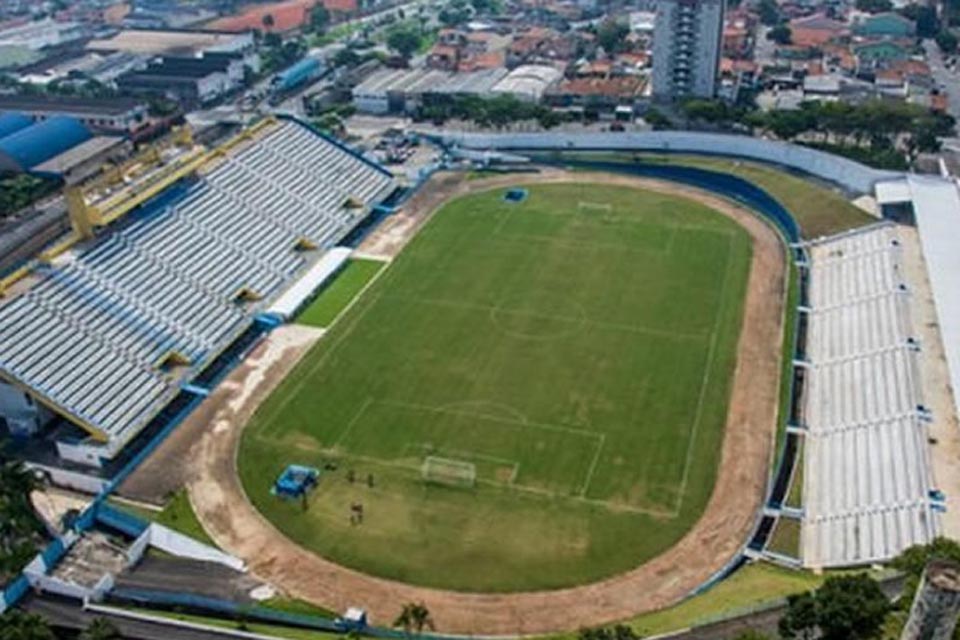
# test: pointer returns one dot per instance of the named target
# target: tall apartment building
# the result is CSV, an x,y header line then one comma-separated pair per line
x,y
686,48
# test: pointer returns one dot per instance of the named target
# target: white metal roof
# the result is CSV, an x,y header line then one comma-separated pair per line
x,y
936,205
893,192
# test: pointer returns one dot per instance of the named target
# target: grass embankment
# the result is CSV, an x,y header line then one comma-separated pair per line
x,y
276,631
786,538
818,210
177,514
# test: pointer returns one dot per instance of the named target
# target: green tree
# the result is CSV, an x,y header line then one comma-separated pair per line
x,y
616,632
657,119
928,24
267,21
319,18
947,42
19,625
404,40
414,618
781,34
100,629
874,6
850,607
769,12
612,35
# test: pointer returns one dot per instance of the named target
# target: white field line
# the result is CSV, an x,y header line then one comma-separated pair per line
x,y
711,352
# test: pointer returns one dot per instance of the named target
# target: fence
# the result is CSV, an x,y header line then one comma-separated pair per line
x,y
849,174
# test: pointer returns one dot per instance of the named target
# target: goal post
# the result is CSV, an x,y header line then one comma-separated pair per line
x,y
449,472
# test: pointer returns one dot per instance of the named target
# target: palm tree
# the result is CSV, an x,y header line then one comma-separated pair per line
x,y
101,629
414,617
19,625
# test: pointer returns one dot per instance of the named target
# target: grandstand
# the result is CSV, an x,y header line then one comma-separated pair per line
x,y
867,475
110,332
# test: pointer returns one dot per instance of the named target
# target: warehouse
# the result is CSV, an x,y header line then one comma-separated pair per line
x,y
404,91
121,116
191,81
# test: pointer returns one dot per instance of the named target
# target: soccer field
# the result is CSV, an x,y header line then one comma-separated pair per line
x,y
575,350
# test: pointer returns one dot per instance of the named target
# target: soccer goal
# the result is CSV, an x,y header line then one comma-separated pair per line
x,y
450,472
585,206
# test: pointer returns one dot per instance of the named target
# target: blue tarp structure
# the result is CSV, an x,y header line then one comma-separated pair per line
x,y
35,144
295,481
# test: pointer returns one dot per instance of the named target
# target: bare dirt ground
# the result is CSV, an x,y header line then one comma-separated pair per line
x,y
944,432
227,515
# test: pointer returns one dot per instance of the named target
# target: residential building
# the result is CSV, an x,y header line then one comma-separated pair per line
x,y
885,25
686,48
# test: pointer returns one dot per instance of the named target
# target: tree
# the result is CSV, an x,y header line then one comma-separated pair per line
x,y
19,625
101,629
267,21
928,24
405,41
657,119
612,34
616,632
415,617
850,607
947,42
346,58
319,18
781,34
874,6
769,12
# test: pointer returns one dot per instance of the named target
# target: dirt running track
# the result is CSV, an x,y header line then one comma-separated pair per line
x,y
227,515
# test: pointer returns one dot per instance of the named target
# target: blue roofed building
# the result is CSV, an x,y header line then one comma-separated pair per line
x,y
28,147
13,122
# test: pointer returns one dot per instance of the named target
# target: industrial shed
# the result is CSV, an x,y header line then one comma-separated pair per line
x,y
27,147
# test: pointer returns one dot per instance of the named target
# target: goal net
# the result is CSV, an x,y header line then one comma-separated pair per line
x,y
450,472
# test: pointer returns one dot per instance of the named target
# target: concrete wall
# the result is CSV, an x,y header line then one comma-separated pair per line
x,y
177,544
850,175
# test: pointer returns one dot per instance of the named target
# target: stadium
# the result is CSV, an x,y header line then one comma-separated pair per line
x,y
556,381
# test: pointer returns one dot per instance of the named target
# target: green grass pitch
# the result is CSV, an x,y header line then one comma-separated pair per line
x,y
577,348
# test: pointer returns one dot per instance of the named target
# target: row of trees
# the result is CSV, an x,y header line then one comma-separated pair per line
x,y
19,625
869,128
19,191
21,533
498,111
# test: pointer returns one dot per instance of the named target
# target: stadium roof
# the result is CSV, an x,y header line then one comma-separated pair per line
x,y
33,145
936,206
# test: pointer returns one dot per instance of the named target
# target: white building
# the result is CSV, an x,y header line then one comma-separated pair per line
x,y
686,48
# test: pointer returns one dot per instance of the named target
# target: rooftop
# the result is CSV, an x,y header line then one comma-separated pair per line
x,y
165,42
68,104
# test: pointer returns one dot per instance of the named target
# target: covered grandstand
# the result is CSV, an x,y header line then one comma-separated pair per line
x,y
111,332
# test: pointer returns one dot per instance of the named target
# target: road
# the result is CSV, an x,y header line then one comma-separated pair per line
x,y
69,615
949,83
